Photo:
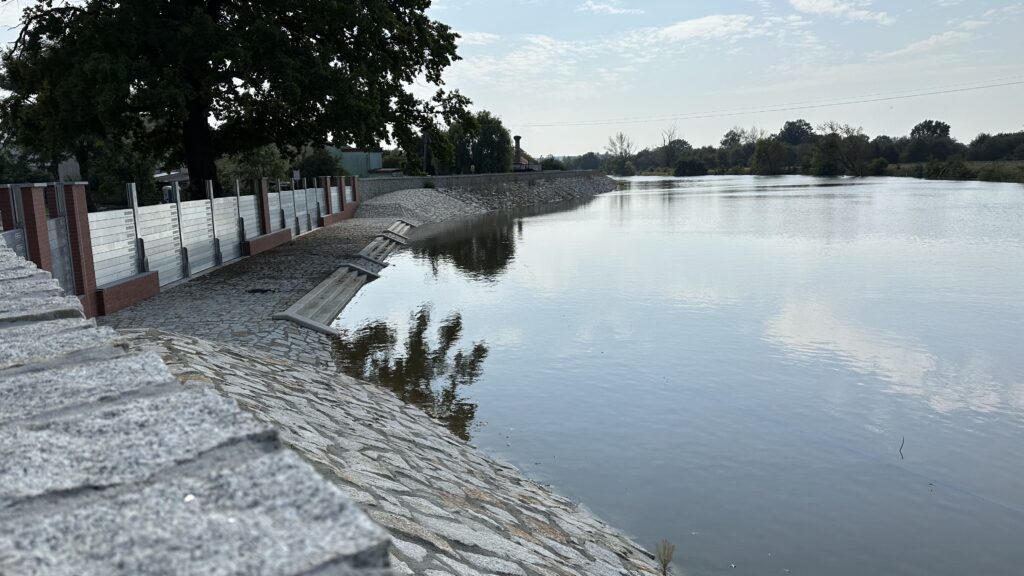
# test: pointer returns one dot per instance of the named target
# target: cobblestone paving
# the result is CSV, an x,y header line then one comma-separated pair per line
x,y
451,511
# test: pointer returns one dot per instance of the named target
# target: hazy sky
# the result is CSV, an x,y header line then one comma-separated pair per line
x,y
555,61
536,62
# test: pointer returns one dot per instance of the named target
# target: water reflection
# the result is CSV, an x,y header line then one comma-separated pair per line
x,y
483,246
427,372
814,332
485,255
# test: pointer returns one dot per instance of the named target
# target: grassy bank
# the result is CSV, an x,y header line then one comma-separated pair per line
x,y
1003,171
1000,171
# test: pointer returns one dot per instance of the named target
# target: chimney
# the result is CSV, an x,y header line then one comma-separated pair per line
x,y
519,151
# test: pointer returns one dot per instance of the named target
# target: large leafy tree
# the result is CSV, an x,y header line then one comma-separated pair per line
x,y
191,80
480,144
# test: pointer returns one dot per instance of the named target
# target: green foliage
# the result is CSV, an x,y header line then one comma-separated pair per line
x,y
589,161
1000,173
831,149
17,167
318,162
480,144
263,162
769,157
393,159
796,132
690,167
285,72
930,129
996,147
825,161
620,166
877,167
551,163
114,164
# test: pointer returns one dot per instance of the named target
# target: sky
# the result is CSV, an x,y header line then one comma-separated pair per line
x,y
541,64
566,74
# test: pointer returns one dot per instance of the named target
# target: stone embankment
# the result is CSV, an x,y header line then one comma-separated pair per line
x,y
428,205
109,465
451,510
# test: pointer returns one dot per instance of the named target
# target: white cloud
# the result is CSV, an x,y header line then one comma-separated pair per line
x,y
608,7
932,43
1009,10
477,38
849,9
972,24
708,27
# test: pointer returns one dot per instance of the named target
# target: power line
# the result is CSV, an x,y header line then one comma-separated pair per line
x,y
866,99
819,101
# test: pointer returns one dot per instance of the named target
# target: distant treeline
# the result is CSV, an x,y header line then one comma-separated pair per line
x,y
830,149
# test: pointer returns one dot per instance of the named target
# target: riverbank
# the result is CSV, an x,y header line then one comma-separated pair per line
x,y
451,509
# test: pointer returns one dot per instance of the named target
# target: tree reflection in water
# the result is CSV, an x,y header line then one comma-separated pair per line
x,y
483,255
425,374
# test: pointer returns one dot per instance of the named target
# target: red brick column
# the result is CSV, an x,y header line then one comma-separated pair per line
x,y
263,199
37,237
6,208
51,201
355,189
77,211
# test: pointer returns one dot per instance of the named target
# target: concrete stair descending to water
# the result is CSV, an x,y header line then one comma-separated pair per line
x,y
318,308
110,465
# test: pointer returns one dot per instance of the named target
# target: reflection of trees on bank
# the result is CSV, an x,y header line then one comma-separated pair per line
x,y
423,374
482,247
486,254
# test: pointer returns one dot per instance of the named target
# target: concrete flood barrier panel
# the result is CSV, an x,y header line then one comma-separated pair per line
x,y
318,308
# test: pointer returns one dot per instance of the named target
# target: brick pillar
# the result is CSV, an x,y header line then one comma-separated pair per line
x,y
37,237
355,189
328,209
6,208
342,182
77,211
51,201
263,200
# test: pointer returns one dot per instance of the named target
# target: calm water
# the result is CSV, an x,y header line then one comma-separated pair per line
x,y
734,363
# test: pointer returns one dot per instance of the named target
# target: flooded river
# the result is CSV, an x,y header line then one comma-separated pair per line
x,y
780,375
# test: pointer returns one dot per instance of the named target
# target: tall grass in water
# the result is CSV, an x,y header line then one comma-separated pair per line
x,y
663,552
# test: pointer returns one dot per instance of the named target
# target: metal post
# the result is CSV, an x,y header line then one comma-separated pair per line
x,y
295,210
185,268
305,202
141,262
238,210
218,258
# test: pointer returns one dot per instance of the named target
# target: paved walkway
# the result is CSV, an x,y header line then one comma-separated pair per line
x,y
110,465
